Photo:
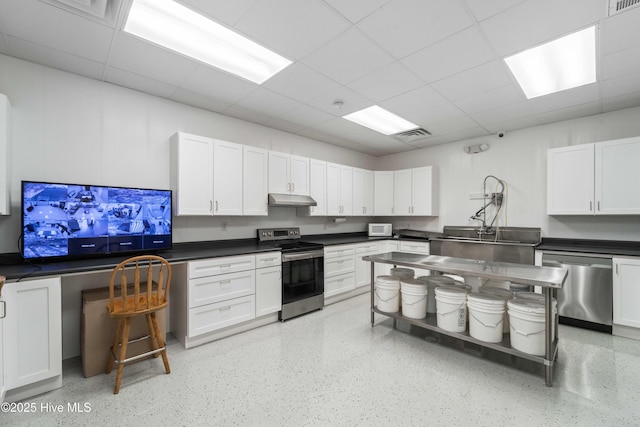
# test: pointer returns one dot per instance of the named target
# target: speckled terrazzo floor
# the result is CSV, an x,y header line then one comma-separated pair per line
x,y
331,368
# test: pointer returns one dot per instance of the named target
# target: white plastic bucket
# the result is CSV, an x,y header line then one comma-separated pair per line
x,y
387,290
486,316
432,283
475,282
414,298
505,294
526,318
539,298
402,273
451,307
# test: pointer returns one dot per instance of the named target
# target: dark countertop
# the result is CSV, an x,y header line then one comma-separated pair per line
x,y
609,247
341,238
12,266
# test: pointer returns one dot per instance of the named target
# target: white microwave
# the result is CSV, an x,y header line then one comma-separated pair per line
x,y
380,230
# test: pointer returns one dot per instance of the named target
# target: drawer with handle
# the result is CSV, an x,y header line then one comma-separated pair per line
x,y
216,316
213,266
210,289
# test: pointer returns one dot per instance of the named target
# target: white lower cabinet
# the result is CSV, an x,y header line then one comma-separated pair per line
x,y
226,295
363,268
339,270
268,283
626,292
32,335
414,247
2,314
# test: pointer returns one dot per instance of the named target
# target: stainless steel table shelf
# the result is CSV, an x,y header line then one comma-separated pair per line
x,y
549,278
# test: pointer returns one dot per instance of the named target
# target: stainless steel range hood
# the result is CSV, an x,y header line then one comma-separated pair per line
x,y
292,200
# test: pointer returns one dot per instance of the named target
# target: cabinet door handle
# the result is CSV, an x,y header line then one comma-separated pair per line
x,y
225,308
293,186
225,282
590,206
4,309
616,268
216,206
598,205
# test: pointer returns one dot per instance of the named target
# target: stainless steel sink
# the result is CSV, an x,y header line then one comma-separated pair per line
x,y
512,244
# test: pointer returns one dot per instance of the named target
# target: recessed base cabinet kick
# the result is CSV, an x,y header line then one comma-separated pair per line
x,y
550,279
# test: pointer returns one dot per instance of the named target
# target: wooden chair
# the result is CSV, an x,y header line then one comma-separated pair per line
x,y
141,296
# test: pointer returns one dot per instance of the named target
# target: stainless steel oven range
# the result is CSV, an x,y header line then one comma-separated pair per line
x,y
302,271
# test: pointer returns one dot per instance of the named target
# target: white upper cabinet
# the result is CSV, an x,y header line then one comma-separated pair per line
x,y
593,179
383,193
192,174
362,192
318,187
255,179
5,154
416,192
227,178
617,174
288,174
570,178
339,189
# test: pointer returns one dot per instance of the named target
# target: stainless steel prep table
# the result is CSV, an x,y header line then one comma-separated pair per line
x,y
549,278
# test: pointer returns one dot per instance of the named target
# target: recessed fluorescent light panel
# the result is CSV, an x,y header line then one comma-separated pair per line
x,y
380,120
561,64
171,25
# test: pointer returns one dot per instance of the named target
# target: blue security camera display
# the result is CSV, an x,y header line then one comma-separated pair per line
x,y
61,220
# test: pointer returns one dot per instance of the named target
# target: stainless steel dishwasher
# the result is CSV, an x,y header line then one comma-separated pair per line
x,y
586,299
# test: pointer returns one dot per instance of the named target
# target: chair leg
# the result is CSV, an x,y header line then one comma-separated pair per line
x,y
123,353
116,340
161,343
152,334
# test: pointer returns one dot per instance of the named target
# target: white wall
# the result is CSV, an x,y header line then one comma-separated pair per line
x,y
68,128
520,159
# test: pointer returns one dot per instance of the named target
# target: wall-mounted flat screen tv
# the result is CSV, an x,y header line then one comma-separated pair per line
x,y
71,220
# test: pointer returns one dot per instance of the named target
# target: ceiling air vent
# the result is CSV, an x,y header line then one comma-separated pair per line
x,y
618,6
413,134
103,11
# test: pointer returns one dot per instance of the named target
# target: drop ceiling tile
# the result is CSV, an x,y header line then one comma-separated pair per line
x,y
621,102
405,26
482,78
46,25
223,11
140,57
492,98
301,83
284,125
512,124
306,116
445,127
427,116
140,83
566,98
340,126
267,101
414,101
621,31
53,58
521,27
619,86
450,56
292,28
198,100
483,9
569,113
390,81
463,134
217,84
501,114
355,10
347,57
247,115
620,63
351,101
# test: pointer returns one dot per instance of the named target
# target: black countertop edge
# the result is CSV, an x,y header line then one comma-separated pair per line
x,y
347,238
610,247
179,253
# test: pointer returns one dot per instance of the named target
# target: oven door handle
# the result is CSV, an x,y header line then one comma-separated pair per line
x,y
302,255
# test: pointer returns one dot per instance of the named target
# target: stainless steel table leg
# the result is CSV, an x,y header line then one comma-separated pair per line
x,y
372,291
549,351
